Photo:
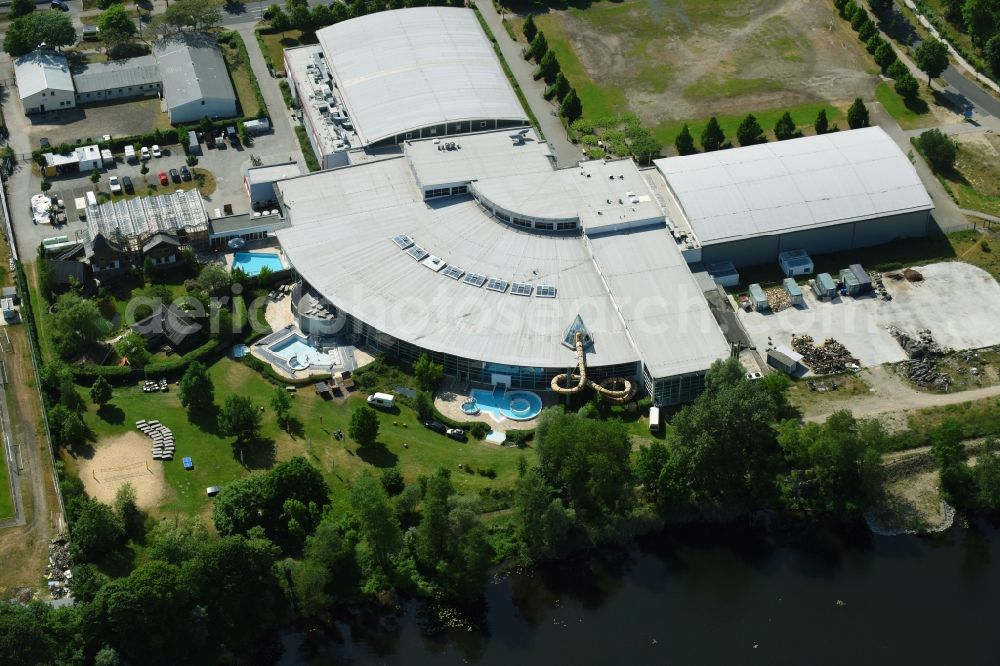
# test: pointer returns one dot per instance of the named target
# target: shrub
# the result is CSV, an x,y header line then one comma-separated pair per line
x,y
939,150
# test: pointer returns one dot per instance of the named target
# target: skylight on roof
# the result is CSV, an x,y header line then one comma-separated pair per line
x,y
475,279
545,291
521,289
496,284
454,272
417,252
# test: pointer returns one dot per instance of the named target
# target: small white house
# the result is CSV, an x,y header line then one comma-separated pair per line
x,y
44,82
382,400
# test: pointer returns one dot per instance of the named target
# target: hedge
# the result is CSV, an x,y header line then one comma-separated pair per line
x,y
91,371
176,364
269,373
307,151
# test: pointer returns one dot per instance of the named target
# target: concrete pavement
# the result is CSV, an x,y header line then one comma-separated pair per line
x,y
565,152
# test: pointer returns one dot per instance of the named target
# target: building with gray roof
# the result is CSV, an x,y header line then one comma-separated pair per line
x,y
117,79
820,194
44,82
195,80
388,77
415,269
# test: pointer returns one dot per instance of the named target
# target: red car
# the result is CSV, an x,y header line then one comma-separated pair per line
x,y
163,178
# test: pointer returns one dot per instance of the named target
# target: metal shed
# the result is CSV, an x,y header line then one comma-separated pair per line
x,y
824,286
852,287
795,262
724,273
784,359
194,148
793,291
864,280
758,299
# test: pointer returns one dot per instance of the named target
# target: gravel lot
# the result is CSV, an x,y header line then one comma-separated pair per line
x,y
958,302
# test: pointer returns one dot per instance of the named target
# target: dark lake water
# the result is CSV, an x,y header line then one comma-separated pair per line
x,y
719,596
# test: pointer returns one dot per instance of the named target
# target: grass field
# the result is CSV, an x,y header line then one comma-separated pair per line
x,y
403,441
277,42
6,499
910,115
240,75
975,181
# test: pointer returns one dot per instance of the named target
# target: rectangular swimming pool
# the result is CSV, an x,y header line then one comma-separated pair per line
x,y
299,354
251,262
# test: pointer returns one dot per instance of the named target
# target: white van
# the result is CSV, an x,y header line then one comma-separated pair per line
x,y
383,400
91,198
654,419
130,153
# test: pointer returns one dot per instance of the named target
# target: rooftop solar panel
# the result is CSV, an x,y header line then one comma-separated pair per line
x,y
417,252
402,241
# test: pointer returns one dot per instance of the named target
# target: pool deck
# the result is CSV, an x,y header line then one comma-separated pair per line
x,y
449,398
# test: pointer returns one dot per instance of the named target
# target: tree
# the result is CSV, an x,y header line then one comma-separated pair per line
x,y
127,509
75,324
381,538
958,484
541,522
364,426
73,430
538,47
932,58
896,69
133,347
835,466
750,133
881,7
874,42
279,19
195,389
239,418
100,392
328,572
69,398
643,145
19,8
107,656
19,38
907,86
424,404
392,481
992,53
559,87
587,461
548,67
281,403
684,143
427,373
712,137
987,474
529,29
822,125
980,18
885,55
199,14
571,108
785,128
857,114
115,27
50,27
867,30
939,150
213,279
434,543
95,531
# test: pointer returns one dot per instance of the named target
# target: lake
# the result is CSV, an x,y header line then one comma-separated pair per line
x,y
712,595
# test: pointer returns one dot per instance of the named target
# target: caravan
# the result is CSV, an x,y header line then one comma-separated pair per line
x,y
382,400
654,419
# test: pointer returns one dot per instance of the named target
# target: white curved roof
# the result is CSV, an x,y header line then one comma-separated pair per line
x,y
794,185
410,68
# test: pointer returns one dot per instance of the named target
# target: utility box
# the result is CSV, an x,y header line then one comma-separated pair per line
x,y
852,287
824,286
784,359
758,299
864,280
194,148
794,292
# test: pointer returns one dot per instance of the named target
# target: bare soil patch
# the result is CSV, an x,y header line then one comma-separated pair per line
x,y
691,59
124,459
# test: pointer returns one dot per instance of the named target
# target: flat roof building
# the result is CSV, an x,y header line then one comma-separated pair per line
x,y
819,194
388,77
117,79
445,274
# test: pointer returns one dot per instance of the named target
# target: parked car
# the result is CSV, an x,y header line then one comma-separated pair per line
x,y
456,433
185,173
144,153
175,176
59,4
115,184
163,178
127,185
156,151
436,426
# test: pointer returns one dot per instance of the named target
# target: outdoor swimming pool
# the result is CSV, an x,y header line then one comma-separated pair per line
x,y
500,405
299,354
251,262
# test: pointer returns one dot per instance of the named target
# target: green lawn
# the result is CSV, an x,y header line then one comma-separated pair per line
x,y
277,42
974,183
910,115
402,441
240,75
6,499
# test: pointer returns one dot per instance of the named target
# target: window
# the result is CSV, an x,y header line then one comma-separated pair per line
x,y
409,135
503,216
119,90
544,225
461,189
130,88
518,222
482,124
437,192
562,226
203,102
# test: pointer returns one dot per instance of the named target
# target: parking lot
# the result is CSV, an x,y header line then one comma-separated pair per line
x,y
91,122
958,302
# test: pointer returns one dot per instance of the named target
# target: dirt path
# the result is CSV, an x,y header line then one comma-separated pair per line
x,y
889,395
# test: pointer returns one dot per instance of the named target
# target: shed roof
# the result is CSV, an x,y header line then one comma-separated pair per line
x,y
42,70
784,186
410,68
117,74
192,69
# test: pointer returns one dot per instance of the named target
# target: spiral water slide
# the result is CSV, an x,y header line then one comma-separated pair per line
x,y
569,383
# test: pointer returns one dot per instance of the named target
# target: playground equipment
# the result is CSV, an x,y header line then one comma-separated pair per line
x,y
616,390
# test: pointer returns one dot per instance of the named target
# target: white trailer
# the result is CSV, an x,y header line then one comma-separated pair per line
x,y
654,419
382,400
130,153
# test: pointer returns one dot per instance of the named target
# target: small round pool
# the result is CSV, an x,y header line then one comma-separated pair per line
x,y
523,405
470,407
295,363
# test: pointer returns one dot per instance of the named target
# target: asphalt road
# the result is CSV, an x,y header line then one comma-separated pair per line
x,y
984,102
